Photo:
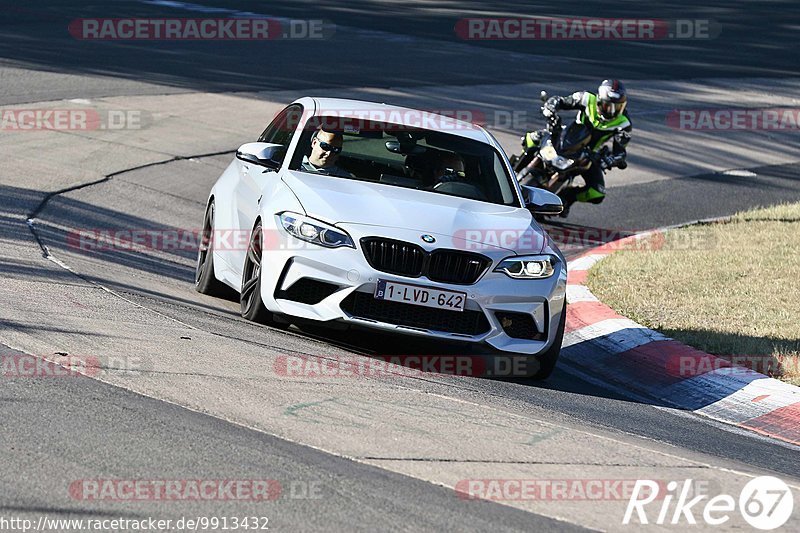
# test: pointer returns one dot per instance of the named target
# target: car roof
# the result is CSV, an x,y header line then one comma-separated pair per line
x,y
399,115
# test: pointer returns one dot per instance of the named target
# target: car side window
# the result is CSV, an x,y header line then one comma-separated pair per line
x,y
282,129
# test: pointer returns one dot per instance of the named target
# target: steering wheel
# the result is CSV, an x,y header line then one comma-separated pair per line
x,y
460,188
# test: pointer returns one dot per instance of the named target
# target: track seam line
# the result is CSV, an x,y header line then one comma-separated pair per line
x,y
31,220
513,462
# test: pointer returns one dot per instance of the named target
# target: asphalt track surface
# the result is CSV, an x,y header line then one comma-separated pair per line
x,y
408,44
56,431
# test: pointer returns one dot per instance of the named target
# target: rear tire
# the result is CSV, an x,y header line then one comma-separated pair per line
x,y
204,280
252,305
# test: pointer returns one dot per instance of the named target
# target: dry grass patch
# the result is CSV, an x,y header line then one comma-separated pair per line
x,y
728,289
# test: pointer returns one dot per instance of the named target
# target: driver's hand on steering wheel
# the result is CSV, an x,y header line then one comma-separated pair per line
x,y
451,174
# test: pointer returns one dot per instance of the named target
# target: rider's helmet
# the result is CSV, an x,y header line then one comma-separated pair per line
x,y
611,99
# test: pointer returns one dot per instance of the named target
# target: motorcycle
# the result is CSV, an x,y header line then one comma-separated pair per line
x,y
553,157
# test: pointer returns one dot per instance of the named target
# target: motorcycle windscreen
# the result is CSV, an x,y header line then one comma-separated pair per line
x,y
574,138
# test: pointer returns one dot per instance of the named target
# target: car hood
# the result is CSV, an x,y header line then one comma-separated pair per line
x,y
346,201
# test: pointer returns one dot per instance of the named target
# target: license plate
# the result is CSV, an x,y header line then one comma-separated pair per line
x,y
419,295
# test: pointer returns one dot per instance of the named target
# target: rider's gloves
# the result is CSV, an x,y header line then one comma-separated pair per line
x,y
551,106
610,161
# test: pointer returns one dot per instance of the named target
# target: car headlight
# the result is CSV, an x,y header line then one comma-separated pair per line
x,y
528,266
562,163
314,231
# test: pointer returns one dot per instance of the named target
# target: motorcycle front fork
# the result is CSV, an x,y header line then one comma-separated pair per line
x,y
531,174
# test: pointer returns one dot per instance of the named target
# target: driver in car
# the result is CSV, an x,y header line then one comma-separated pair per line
x,y
325,149
449,168
449,178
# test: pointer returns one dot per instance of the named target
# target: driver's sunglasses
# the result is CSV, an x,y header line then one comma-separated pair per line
x,y
328,147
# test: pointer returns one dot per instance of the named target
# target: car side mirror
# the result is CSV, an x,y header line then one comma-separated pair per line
x,y
541,202
262,154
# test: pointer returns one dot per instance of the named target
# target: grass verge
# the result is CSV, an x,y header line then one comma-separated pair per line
x,y
730,289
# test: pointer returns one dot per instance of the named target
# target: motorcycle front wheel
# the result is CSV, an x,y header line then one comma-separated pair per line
x,y
522,161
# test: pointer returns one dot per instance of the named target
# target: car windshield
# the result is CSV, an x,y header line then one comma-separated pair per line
x,y
402,156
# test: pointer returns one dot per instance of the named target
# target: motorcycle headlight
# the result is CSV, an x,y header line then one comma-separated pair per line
x,y
528,266
548,152
562,163
314,231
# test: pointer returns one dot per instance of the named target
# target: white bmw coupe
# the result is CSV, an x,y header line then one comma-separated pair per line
x,y
364,214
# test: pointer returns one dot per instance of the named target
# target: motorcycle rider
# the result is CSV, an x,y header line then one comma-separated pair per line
x,y
605,113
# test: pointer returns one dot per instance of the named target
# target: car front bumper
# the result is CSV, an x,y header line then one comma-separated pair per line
x,y
489,302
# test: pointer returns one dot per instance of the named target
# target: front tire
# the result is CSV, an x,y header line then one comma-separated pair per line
x,y
204,280
547,360
252,305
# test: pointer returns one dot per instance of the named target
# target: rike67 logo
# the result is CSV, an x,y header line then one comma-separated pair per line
x,y
765,503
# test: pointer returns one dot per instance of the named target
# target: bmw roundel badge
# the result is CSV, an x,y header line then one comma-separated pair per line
x,y
428,238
